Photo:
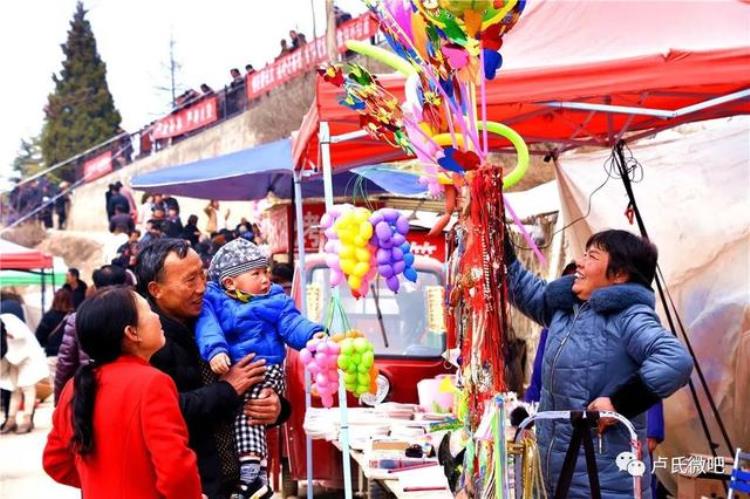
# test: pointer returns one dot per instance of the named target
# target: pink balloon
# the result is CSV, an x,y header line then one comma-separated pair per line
x,y
337,277
320,358
305,356
334,348
327,400
331,234
313,367
333,262
326,220
330,247
321,379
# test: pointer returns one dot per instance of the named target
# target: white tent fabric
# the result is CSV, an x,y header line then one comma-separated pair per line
x,y
694,201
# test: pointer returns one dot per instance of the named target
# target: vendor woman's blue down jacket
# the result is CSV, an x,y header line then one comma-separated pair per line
x,y
611,345
261,326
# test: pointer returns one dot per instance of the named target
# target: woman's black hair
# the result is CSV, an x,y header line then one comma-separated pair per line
x,y
628,253
100,325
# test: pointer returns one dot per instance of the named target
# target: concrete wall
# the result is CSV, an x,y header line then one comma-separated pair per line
x,y
88,212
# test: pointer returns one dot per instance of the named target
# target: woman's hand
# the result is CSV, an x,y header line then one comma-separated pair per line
x,y
603,404
265,409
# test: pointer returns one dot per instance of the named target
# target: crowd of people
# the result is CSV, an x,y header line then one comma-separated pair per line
x,y
40,201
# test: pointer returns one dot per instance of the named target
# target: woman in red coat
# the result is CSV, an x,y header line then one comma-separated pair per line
x,y
117,429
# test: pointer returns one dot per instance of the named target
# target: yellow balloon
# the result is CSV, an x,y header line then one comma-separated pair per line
x,y
360,269
365,229
347,266
347,252
360,241
361,215
354,282
362,255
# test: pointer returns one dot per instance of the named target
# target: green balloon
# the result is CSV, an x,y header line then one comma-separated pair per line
x,y
343,362
350,378
362,368
351,387
368,358
364,379
360,345
355,359
347,347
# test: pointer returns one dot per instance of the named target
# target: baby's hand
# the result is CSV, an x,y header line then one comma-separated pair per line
x,y
220,363
320,335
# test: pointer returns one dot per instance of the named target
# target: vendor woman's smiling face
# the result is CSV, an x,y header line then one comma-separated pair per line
x,y
591,273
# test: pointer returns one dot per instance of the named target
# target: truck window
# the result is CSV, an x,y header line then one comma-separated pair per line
x,y
404,314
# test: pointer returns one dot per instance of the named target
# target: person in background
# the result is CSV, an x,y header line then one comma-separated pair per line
x,y
144,212
298,39
170,203
284,49
174,225
45,215
49,332
62,205
206,90
249,69
10,303
212,212
75,286
282,274
70,356
121,221
117,199
22,367
190,232
118,427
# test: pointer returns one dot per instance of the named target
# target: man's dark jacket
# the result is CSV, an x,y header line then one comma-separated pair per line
x,y
208,405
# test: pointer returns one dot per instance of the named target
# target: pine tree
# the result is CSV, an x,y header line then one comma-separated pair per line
x,y
80,113
29,158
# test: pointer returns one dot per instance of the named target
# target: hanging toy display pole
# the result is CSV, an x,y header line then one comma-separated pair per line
x,y
324,138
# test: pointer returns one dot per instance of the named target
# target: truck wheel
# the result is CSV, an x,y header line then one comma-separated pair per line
x,y
289,486
376,491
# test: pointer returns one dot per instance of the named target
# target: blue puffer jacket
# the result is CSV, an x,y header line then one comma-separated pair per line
x,y
261,326
611,345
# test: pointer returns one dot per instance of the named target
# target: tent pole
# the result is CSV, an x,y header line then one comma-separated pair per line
x,y
299,228
325,139
44,291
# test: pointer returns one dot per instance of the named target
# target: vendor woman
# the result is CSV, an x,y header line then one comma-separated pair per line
x,y
606,351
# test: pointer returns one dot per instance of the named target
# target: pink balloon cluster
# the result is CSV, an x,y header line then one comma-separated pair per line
x,y
393,253
333,245
320,357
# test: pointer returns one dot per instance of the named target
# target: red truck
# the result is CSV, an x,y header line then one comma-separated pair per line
x,y
406,349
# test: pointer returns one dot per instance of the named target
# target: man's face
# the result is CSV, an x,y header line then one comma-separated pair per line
x,y
180,290
591,273
70,278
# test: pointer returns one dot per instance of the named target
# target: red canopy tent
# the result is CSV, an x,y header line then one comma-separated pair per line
x,y
16,257
586,73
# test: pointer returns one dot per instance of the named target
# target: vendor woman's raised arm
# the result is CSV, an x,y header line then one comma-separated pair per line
x,y
525,290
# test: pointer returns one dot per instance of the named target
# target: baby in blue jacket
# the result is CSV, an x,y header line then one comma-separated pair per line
x,y
244,313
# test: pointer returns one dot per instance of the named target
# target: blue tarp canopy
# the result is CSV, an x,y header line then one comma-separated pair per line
x,y
253,173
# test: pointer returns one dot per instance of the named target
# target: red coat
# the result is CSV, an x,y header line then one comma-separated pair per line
x,y
140,445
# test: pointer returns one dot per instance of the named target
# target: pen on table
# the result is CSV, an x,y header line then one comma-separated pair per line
x,y
413,467
422,489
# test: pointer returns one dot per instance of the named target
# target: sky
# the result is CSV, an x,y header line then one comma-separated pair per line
x,y
133,40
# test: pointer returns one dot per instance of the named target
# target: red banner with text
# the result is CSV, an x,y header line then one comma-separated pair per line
x,y
308,57
187,119
98,166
